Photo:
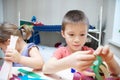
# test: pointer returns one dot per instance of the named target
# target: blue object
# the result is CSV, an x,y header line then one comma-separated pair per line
x,y
73,70
25,77
91,27
34,19
48,28
35,38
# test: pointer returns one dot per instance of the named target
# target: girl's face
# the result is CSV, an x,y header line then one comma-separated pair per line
x,y
75,36
4,45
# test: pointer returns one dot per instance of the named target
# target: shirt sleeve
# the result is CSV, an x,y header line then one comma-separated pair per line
x,y
58,53
85,48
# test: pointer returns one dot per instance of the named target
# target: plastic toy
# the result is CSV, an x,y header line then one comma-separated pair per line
x,y
96,69
34,19
24,77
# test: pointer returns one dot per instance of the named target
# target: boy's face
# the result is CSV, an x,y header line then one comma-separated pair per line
x,y
75,36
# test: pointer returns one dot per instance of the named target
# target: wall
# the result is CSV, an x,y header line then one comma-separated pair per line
x,y
1,11
109,9
9,11
1,20
1,56
49,12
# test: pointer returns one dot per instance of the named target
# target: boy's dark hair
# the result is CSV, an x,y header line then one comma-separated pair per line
x,y
74,16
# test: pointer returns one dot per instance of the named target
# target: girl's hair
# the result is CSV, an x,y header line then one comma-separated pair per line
x,y
8,29
26,31
74,16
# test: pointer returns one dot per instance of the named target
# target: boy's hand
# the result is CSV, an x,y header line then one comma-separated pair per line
x,y
108,55
105,53
81,61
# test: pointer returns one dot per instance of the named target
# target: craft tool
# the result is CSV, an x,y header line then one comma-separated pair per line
x,y
4,73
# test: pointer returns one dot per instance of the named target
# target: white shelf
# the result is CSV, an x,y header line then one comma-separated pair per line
x,y
96,31
93,30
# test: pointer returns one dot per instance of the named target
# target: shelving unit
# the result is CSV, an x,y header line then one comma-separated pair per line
x,y
98,31
47,28
55,28
98,39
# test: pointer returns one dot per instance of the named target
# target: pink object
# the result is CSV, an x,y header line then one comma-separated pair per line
x,y
38,24
113,78
0,67
79,76
14,77
62,52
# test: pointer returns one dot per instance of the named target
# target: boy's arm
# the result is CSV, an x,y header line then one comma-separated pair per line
x,y
108,57
80,60
54,65
114,67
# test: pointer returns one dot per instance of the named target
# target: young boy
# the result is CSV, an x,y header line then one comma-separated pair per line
x,y
75,55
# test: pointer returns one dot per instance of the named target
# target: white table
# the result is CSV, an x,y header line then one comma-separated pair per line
x,y
62,75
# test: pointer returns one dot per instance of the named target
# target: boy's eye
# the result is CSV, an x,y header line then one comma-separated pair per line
x,y
82,34
71,34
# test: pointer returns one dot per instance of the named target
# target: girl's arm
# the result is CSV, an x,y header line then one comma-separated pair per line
x,y
34,61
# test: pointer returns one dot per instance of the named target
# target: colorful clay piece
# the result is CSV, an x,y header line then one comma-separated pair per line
x,y
79,76
29,74
96,68
14,77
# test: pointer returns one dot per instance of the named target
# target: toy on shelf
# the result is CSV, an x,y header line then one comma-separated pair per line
x,y
35,22
34,19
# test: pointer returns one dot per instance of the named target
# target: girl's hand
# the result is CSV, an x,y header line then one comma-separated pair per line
x,y
105,53
12,55
81,61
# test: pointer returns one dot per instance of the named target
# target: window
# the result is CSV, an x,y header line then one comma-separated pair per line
x,y
116,29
